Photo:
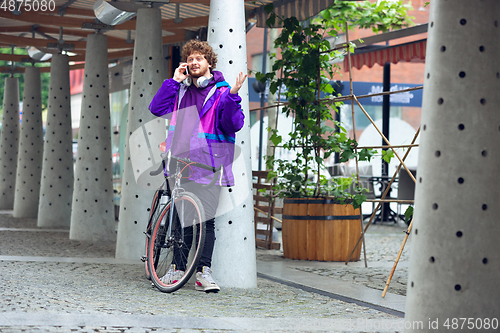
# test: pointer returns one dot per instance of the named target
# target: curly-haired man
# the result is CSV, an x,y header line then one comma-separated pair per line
x,y
205,114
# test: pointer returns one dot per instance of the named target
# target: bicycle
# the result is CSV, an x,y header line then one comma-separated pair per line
x,y
176,220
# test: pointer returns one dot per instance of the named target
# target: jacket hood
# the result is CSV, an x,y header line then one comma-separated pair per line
x,y
218,77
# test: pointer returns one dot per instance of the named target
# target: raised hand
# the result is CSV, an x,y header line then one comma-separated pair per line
x,y
239,82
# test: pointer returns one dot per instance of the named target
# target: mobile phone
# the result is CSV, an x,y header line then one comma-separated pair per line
x,y
187,81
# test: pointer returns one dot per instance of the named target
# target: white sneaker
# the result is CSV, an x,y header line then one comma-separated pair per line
x,y
204,281
172,275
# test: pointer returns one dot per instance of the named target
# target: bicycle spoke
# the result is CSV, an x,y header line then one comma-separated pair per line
x,y
176,242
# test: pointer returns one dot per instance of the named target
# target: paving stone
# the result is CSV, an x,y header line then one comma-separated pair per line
x,y
80,288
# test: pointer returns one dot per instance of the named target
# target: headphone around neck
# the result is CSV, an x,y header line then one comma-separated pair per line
x,y
204,81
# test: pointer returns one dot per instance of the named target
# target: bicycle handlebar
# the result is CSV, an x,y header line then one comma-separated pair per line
x,y
166,156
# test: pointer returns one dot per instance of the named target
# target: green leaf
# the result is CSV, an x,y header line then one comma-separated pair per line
x,y
269,8
387,155
408,214
366,154
276,138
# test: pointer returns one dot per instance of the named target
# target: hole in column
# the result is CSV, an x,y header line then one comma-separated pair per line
x,y
240,47
481,48
221,46
461,74
230,222
412,284
459,234
463,21
438,153
484,207
496,23
482,101
435,206
230,30
428,75
461,127
245,238
485,261
498,75
458,287
425,127
150,58
431,259
420,180
460,180
230,62
230,190
484,153
443,48
440,101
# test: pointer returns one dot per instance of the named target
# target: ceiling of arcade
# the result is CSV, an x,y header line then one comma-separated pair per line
x,y
75,20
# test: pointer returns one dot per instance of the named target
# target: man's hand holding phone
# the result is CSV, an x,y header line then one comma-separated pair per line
x,y
181,73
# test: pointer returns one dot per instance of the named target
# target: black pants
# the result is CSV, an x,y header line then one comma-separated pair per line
x,y
209,198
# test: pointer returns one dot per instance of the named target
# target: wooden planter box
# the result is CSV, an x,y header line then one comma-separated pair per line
x,y
320,229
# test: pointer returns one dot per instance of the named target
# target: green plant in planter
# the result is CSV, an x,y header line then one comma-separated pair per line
x,y
305,70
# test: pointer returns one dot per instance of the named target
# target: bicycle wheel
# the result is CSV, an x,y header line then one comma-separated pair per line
x,y
178,243
154,214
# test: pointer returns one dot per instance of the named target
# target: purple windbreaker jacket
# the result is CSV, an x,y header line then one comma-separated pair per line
x,y
212,140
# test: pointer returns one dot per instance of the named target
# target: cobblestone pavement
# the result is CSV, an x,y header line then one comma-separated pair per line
x,y
75,288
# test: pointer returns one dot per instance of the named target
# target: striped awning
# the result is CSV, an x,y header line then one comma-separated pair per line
x,y
374,54
301,9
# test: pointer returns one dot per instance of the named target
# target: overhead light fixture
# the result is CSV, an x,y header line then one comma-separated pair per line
x,y
38,55
114,13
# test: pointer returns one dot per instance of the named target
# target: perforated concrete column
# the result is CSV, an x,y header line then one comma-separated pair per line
x,y
455,252
9,143
234,253
92,214
145,133
29,163
56,188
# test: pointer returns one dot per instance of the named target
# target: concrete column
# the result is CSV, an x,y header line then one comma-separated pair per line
x,y
9,142
145,133
233,261
92,214
455,252
56,188
29,163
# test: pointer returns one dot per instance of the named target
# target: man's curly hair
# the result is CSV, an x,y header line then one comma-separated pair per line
x,y
202,48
